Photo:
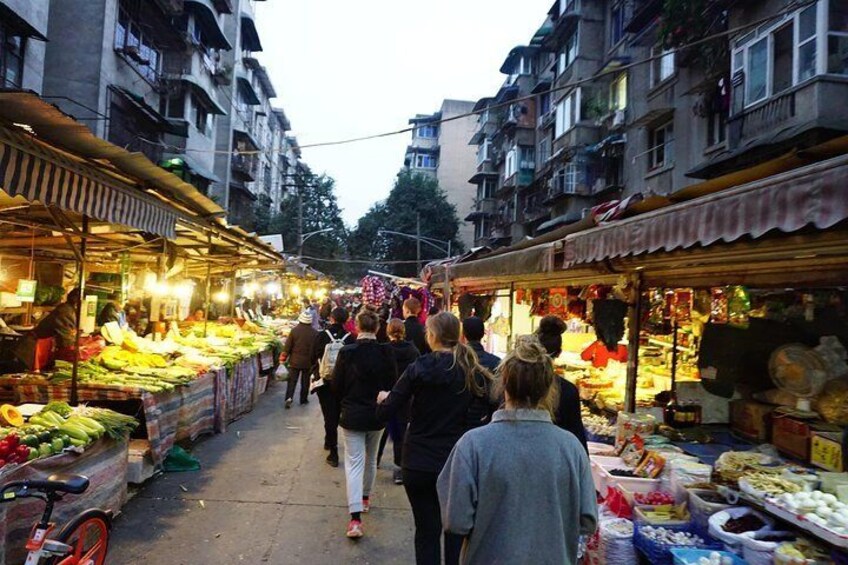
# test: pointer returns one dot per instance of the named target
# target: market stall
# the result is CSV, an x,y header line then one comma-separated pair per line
x,y
715,396
38,441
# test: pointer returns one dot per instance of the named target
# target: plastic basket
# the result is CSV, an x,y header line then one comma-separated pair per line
x,y
691,556
660,554
701,510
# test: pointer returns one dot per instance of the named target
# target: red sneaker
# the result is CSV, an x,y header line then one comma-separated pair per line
x,y
354,529
366,505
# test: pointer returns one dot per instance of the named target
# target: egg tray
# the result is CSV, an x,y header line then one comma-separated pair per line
x,y
798,520
660,554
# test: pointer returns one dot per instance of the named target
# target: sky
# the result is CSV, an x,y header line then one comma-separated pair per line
x,y
348,68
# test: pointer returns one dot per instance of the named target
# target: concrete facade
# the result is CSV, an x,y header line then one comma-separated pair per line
x,y
175,80
441,151
627,118
33,13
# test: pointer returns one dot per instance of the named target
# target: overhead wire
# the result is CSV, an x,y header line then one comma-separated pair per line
x,y
570,85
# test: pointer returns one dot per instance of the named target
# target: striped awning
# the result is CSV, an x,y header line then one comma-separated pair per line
x,y
54,180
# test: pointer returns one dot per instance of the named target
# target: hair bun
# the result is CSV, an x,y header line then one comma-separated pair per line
x,y
529,349
551,325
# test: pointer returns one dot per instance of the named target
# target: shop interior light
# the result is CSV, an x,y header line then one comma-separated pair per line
x,y
309,292
184,290
295,289
321,293
272,289
149,282
222,296
161,288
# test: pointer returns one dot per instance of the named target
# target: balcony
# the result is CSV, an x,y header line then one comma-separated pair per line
x,y
195,70
583,134
483,208
804,115
536,213
244,166
641,14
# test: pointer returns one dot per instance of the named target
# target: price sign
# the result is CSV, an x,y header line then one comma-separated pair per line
x,y
26,290
826,452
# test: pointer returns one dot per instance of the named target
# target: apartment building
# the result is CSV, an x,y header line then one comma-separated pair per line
x,y
23,33
440,150
618,113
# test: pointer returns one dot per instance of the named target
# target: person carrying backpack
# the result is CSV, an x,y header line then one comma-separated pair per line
x,y
324,354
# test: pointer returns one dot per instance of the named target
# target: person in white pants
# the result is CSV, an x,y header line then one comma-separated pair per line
x,y
362,370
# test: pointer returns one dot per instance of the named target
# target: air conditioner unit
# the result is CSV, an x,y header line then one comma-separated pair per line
x,y
618,118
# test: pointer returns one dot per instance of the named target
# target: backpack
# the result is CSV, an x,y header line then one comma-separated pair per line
x,y
331,353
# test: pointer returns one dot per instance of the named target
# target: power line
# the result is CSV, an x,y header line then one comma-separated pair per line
x,y
568,86
364,261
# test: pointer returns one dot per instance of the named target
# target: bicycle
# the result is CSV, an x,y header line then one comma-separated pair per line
x,y
84,540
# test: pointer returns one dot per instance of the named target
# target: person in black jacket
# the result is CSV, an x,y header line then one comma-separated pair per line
x,y
297,354
338,318
442,387
414,329
473,331
362,370
405,354
567,414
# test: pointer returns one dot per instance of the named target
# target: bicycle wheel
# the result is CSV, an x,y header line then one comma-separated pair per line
x,y
88,534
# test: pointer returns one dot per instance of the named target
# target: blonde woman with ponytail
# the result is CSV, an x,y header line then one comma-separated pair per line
x,y
449,392
520,490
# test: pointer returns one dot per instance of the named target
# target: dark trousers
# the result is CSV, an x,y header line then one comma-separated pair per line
x,y
421,490
395,429
294,376
330,410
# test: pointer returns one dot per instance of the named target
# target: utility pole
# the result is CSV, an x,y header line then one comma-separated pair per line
x,y
418,239
300,220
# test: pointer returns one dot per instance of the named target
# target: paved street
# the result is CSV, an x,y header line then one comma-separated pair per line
x,y
264,494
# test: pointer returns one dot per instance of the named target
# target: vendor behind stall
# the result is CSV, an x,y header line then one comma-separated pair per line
x,y
113,311
56,331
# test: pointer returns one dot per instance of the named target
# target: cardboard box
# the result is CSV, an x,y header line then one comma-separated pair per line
x,y
751,419
826,451
791,436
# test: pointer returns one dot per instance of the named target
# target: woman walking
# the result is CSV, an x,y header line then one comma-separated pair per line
x,y
445,388
567,413
362,370
405,354
520,490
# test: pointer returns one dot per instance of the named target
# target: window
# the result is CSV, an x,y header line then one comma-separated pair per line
x,y
807,44
12,48
526,157
527,65
662,67
424,161
567,113
566,6
716,126
661,146
616,23
511,166
428,131
837,38
201,116
139,50
486,189
618,93
567,54
782,59
544,103
544,152
483,153
175,106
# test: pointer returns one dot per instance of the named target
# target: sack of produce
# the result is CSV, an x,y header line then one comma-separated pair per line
x,y
729,525
616,541
832,403
758,549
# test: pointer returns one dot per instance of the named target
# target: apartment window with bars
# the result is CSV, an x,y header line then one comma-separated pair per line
x,y
661,143
12,46
135,45
662,64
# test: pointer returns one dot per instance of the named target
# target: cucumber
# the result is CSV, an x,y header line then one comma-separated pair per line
x,y
75,433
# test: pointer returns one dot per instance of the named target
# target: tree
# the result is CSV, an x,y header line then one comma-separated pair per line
x,y
414,198
320,211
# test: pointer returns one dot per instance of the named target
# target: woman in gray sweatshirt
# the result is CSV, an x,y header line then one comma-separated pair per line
x,y
520,489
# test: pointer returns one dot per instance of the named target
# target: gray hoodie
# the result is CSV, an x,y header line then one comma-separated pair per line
x,y
520,490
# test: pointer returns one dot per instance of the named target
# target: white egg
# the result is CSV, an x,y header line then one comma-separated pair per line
x,y
829,498
824,511
816,495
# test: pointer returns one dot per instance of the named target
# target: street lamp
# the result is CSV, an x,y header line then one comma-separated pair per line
x,y
306,236
431,241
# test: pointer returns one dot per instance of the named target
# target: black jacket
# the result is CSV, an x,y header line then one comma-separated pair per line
x,y
405,354
415,334
298,348
439,412
488,360
362,370
322,340
568,412
109,313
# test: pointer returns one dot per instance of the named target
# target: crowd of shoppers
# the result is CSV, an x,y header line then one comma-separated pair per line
x,y
482,447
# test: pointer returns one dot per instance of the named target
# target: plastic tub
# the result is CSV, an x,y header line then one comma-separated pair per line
x,y
702,510
691,556
660,554
631,484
